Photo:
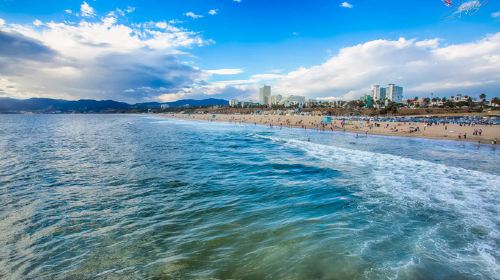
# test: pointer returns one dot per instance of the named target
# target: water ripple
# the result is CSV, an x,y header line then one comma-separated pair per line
x,y
131,197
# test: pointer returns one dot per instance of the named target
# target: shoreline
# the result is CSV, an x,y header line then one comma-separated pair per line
x,y
420,130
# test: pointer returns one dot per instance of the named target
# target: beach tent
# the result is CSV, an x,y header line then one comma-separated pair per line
x,y
327,120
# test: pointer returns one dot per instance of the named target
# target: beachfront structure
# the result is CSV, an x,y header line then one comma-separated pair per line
x,y
437,103
378,93
367,100
164,106
233,103
265,95
460,98
390,93
312,103
338,104
276,99
394,93
294,100
248,104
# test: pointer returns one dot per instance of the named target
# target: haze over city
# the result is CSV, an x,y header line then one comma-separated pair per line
x,y
139,51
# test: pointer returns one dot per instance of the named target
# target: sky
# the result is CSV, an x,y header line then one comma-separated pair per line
x,y
145,50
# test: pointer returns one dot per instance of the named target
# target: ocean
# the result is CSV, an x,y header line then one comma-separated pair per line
x,y
146,197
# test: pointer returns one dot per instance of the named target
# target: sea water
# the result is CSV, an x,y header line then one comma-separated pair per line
x,y
141,196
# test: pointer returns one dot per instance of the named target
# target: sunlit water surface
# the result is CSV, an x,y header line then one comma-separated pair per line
x,y
132,197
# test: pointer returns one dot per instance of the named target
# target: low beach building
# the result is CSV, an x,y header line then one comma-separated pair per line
x,y
294,100
276,99
248,104
460,98
233,103
367,100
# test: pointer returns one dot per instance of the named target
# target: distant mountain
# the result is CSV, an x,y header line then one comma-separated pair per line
x,y
41,105
59,105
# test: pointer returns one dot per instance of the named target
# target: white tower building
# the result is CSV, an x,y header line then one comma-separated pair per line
x,y
395,93
265,95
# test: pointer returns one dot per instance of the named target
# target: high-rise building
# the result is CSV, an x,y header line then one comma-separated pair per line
x,y
383,93
394,93
391,92
378,93
265,95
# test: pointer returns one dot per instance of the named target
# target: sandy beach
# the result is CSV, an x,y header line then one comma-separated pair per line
x,y
489,133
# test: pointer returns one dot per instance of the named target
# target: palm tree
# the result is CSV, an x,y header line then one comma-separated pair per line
x,y
482,98
469,102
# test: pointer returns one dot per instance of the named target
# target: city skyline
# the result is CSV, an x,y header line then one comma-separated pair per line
x,y
142,51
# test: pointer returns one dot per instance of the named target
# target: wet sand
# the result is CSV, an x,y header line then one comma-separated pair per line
x,y
448,131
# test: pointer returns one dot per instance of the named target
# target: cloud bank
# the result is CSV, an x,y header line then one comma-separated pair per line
x,y
101,59
422,67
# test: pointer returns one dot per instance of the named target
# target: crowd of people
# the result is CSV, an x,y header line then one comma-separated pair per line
x,y
480,129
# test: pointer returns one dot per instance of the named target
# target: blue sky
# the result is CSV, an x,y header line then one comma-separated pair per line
x,y
225,48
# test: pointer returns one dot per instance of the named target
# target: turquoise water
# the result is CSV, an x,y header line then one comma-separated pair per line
x,y
133,197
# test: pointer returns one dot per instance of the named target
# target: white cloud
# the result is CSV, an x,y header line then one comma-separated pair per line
x,y
213,12
162,25
346,5
495,14
193,15
86,10
101,59
421,67
226,71
68,11
2,22
37,23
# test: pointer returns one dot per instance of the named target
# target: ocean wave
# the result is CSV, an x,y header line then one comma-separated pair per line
x,y
453,198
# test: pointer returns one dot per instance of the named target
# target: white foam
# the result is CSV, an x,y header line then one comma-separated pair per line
x,y
385,178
